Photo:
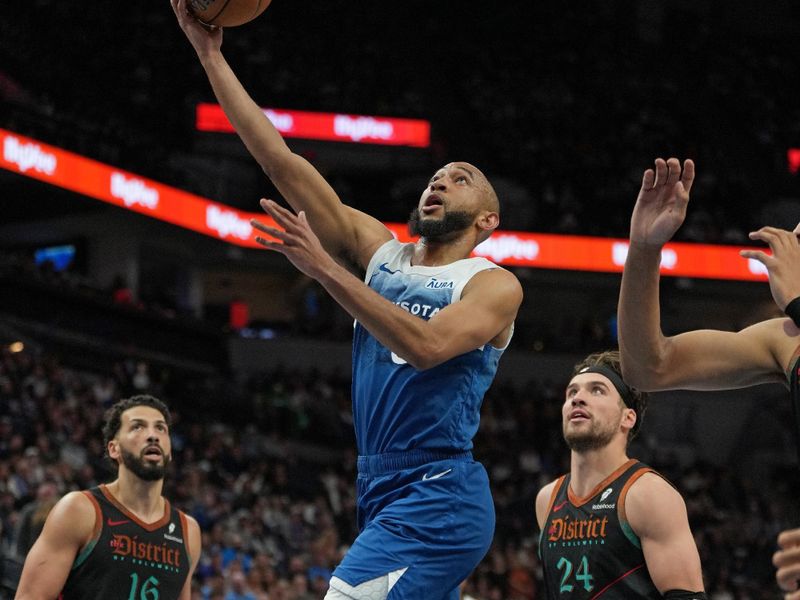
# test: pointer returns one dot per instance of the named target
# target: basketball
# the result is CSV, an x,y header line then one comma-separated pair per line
x,y
227,13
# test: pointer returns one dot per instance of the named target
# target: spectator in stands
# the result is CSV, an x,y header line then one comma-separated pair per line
x,y
519,419
238,588
33,516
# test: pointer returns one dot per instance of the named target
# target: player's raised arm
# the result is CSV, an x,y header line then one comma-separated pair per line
x,y
66,531
343,231
659,211
699,360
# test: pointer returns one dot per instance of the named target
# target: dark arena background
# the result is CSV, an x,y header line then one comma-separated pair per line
x,y
126,264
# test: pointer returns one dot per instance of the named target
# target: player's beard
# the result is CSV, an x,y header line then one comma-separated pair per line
x,y
597,436
439,230
143,469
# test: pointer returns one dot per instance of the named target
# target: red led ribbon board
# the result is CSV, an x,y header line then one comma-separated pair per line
x,y
328,127
607,255
126,190
91,178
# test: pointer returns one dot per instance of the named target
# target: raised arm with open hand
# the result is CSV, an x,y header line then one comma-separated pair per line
x,y
344,232
702,359
296,241
661,205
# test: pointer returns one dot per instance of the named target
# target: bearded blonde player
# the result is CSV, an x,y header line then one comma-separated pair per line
x,y
612,526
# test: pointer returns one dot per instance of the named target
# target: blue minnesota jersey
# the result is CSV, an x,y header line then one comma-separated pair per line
x,y
396,407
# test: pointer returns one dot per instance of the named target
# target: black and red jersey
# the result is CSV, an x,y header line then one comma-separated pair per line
x,y
128,558
587,547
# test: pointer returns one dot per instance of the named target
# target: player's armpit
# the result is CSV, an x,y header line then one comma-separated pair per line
x,y
484,315
67,530
657,514
716,360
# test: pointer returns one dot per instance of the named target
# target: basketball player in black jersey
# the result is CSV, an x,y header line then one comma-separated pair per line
x,y
612,527
767,352
122,540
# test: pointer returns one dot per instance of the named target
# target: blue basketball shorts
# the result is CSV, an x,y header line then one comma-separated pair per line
x,y
429,513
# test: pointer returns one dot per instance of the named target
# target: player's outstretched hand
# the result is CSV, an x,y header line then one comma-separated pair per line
x,y
296,241
787,561
784,263
661,205
204,39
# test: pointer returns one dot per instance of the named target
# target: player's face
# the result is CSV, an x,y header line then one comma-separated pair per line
x,y
450,203
456,186
592,413
143,444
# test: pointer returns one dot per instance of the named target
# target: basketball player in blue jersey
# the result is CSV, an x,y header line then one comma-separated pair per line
x,y
612,526
767,352
431,324
120,540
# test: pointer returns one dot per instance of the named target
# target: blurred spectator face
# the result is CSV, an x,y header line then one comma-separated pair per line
x,y
280,591
297,565
47,492
299,584
5,428
238,582
319,585
141,378
217,534
16,444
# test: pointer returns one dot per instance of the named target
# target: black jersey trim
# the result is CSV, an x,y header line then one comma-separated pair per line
x,y
185,530
554,495
618,472
794,396
794,365
146,526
